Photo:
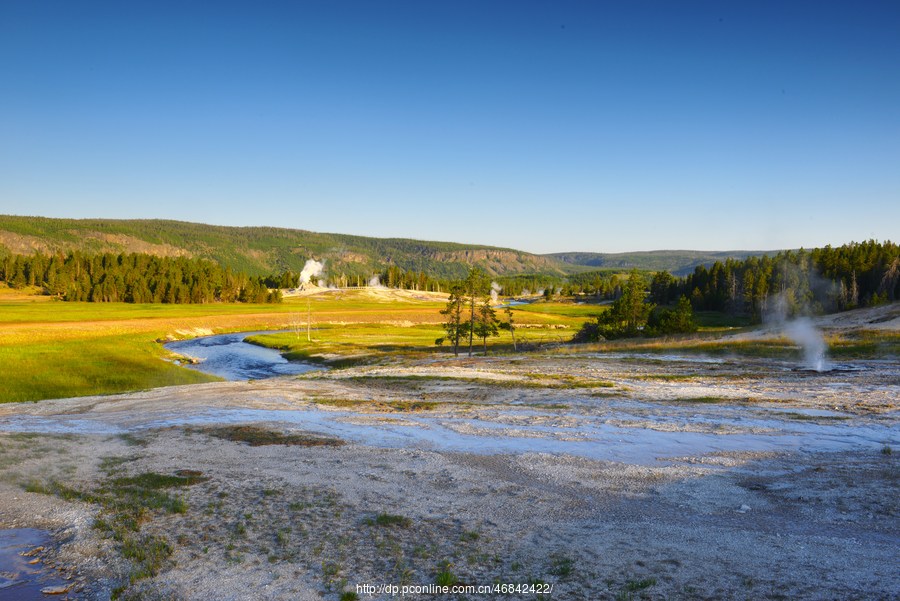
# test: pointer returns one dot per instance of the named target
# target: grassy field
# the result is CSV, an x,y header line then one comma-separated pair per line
x,y
860,345
715,320
53,349
564,309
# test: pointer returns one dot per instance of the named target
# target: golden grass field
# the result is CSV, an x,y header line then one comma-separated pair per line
x,y
54,349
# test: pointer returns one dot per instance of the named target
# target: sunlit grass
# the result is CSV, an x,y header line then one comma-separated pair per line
x,y
54,349
867,344
564,309
864,344
87,365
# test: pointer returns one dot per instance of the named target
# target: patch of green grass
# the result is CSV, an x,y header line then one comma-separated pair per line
x,y
561,565
124,504
110,463
803,417
240,530
710,343
548,406
132,440
412,406
154,481
565,381
866,344
639,585
667,377
342,403
256,436
388,520
446,578
704,399
148,552
391,406
283,537
633,586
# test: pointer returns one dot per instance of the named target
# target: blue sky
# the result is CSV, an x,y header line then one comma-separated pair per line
x,y
544,126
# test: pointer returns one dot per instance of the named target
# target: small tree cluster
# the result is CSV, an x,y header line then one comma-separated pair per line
x,y
469,313
633,315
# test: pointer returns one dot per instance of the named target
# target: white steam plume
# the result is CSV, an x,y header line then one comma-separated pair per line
x,y
375,282
495,292
803,333
311,270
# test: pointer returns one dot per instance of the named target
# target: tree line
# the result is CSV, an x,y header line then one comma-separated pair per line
x,y
821,280
134,278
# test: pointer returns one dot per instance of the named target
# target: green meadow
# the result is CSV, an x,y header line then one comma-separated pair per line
x,y
54,349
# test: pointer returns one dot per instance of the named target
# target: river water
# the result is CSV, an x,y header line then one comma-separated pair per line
x,y
627,430
20,579
230,357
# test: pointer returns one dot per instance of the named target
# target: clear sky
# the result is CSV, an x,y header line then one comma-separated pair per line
x,y
545,126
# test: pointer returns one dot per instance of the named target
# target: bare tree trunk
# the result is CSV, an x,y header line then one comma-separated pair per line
x,y
472,323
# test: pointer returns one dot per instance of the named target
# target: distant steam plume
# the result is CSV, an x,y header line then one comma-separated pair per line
x,y
375,282
495,292
311,270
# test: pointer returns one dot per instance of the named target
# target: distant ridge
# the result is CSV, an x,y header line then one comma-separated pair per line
x,y
678,262
264,250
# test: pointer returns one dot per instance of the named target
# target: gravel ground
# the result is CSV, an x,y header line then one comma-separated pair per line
x,y
736,479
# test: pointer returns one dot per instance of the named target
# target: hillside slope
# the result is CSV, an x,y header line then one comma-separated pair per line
x,y
263,250
679,262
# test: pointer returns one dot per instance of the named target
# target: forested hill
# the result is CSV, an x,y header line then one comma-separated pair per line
x,y
678,262
263,250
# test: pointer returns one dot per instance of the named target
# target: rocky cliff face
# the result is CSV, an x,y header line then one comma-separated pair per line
x,y
498,261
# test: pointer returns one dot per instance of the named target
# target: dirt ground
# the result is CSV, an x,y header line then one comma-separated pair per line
x,y
606,477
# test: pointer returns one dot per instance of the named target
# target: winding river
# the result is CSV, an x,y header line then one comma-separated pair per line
x,y
230,357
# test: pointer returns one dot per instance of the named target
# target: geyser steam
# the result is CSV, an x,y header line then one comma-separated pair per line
x,y
311,270
803,333
495,292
